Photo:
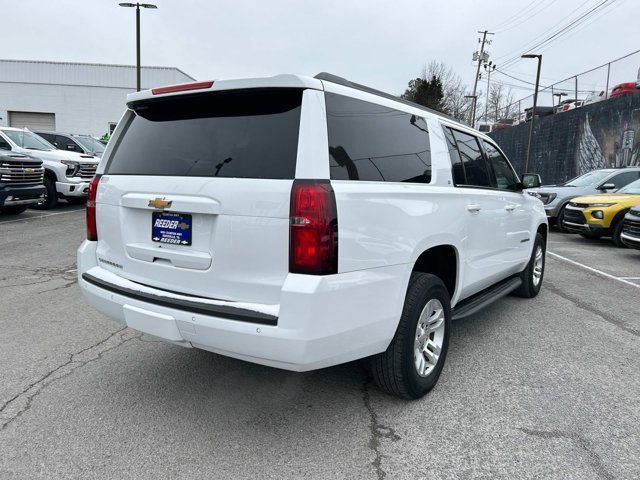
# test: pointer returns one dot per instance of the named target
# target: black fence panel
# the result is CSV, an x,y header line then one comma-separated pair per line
x,y
567,144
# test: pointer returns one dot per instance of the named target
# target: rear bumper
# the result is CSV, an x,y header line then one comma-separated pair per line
x,y
17,195
320,321
73,189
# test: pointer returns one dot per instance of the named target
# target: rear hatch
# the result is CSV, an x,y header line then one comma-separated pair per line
x,y
196,190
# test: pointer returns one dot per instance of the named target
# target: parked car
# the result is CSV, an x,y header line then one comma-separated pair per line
x,y
556,197
631,228
73,143
568,105
594,97
602,215
486,127
21,179
66,174
504,123
625,89
540,112
359,226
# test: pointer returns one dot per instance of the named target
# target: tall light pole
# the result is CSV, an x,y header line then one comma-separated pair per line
x,y
137,7
533,112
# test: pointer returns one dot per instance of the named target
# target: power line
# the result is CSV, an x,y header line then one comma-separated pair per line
x,y
516,15
525,18
567,28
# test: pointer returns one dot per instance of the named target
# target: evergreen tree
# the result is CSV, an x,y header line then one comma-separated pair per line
x,y
428,93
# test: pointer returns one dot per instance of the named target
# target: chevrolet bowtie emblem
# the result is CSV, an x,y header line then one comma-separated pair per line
x,y
160,203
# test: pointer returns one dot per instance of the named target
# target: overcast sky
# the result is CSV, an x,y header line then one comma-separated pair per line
x,y
380,43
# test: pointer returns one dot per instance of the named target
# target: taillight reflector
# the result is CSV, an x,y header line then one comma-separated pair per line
x,y
313,229
92,228
181,87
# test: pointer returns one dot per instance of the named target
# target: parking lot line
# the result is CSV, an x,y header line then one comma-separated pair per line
x,y
594,270
41,216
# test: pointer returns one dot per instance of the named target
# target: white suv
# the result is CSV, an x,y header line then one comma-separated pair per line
x,y
66,174
305,222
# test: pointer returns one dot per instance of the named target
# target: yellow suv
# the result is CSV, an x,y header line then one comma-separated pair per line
x,y
602,215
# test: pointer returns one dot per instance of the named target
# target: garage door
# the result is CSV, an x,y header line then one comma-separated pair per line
x,y
33,120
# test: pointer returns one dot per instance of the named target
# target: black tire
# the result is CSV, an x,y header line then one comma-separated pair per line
x,y
560,219
13,210
50,196
591,236
394,370
617,232
76,200
529,287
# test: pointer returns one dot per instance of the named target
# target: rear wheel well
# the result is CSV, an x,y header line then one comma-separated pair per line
x,y
544,231
441,261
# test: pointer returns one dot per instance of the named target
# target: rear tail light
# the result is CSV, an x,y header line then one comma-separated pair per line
x,y
182,87
313,229
92,229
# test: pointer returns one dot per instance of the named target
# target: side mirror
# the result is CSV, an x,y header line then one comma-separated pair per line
x,y
531,180
607,186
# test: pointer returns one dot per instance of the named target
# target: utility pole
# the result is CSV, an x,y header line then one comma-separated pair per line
x,y
488,67
482,57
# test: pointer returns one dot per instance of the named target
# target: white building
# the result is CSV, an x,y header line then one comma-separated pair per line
x,y
83,98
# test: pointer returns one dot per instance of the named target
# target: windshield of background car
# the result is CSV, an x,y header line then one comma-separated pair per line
x,y
26,139
91,144
633,188
588,178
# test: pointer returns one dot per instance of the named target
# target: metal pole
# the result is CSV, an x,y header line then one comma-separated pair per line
x,y
533,113
606,91
486,103
138,46
552,95
576,77
475,83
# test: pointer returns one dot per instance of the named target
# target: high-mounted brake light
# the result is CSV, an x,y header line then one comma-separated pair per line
x,y
313,229
181,87
92,228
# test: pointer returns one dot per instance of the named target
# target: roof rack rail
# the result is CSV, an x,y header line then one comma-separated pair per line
x,y
329,77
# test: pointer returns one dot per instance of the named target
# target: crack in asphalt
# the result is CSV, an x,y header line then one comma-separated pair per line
x,y
580,441
23,400
377,431
578,302
41,274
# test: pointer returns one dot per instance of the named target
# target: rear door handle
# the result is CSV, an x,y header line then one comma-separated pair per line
x,y
511,207
474,208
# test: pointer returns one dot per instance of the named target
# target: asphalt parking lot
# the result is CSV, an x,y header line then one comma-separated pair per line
x,y
543,388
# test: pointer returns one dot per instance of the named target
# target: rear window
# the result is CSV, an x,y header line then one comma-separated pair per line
x,y
239,133
377,143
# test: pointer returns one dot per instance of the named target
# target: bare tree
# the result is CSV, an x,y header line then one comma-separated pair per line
x,y
454,102
500,106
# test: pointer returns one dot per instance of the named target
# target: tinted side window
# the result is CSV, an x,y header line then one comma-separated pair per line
x,y
623,179
4,145
376,143
457,169
504,176
474,164
63,142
